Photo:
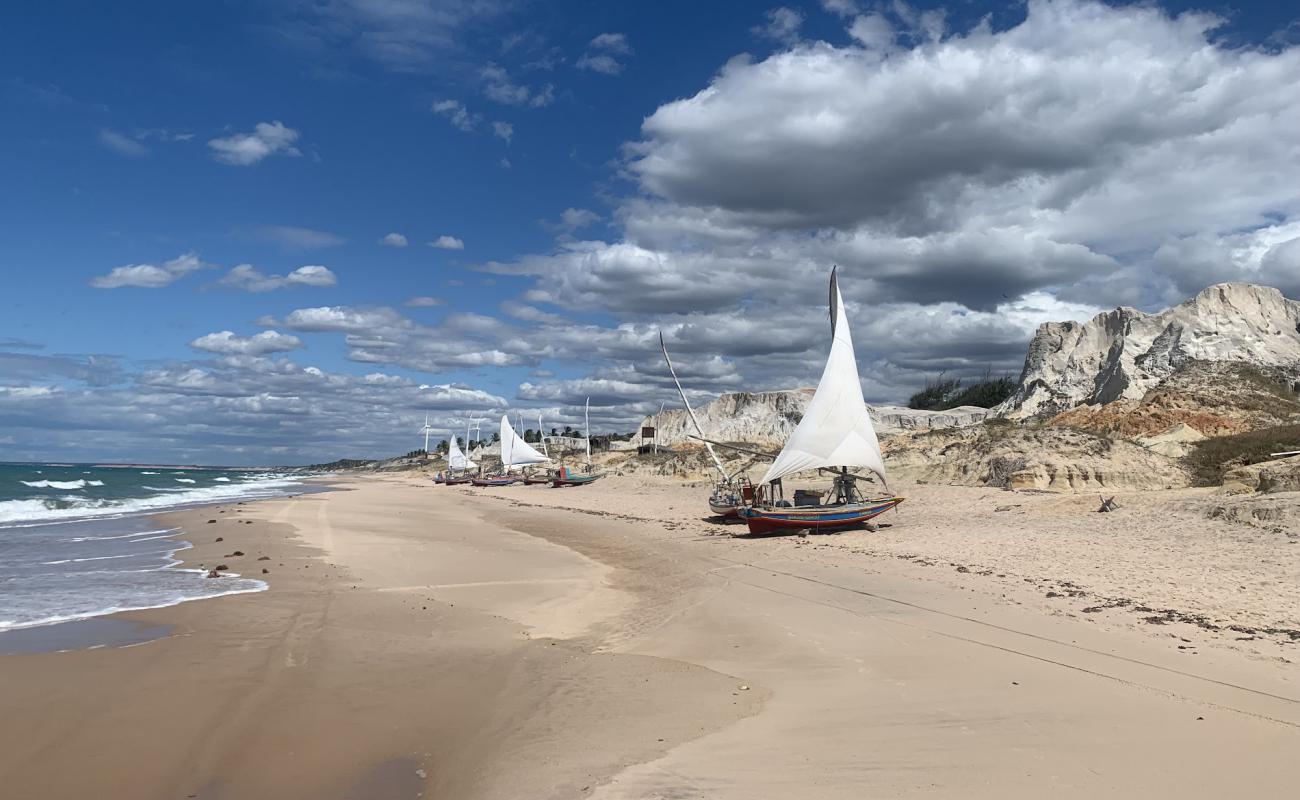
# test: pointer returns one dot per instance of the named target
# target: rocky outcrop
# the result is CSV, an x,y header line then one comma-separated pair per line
x,y
1125,353
1011,456
768,419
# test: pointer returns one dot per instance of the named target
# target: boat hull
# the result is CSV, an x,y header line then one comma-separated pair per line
x,y
492,481
536,481
574,480
724,510
817,518
456,481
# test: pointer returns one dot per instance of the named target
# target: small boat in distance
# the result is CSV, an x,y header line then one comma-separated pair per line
x,y
567,477
835,433
458,464
731,491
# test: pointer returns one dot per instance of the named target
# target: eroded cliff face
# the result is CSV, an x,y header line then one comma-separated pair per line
x,y
768,419
1122,355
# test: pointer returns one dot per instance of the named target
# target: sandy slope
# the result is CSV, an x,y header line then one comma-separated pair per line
x,y
687,663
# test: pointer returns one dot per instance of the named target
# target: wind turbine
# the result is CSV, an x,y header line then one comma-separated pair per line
x,y
426,430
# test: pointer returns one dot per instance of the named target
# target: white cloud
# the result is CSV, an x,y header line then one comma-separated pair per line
x,y
423,302
603,52
872,31
599,62
503,130
149,276
250,279
842,8
228,343
122,145
393,240
445,242
501,88
782,25
294,238
266,139
612,43
456,114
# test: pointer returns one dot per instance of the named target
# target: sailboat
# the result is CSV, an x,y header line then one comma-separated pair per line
x,y
835,433
515,452
566,477
729,492
534,479
457,461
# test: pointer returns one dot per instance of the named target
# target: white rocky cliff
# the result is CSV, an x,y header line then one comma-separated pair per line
x,y
1122,354
768,418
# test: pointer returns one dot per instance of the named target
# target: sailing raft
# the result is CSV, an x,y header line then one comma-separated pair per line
x,y
835,433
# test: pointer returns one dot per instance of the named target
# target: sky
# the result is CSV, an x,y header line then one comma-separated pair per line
x,y
283,232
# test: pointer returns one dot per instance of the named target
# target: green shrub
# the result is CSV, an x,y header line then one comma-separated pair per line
x,y
1211,458
941,394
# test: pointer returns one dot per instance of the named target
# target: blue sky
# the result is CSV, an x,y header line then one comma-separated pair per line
x,y
601,170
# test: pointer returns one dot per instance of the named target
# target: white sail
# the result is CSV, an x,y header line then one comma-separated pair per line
x,y
515,452
836,430
586,428
455,458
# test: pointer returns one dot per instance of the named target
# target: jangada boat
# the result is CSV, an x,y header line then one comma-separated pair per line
x,y
835,432
493,480
567,477
457,462
515,453
731,491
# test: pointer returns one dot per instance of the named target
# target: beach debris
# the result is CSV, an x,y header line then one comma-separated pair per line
x,y
744,688
1006,508
1107,505
212,573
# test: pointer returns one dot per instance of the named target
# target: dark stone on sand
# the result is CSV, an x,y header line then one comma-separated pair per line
x,y
1055,594
220,539
211,521
266,571
264,558
220,567
238,553
212,573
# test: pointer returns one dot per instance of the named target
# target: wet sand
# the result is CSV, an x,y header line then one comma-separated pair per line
x,y
527,642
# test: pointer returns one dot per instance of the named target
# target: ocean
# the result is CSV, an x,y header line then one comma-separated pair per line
x,y
76,541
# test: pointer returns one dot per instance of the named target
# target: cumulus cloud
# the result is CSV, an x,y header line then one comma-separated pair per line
x,y
503,130
393,240
245,149
228,343
149,276
446,242
250,279
122,145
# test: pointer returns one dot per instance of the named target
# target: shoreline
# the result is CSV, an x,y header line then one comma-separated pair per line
x,y
497,643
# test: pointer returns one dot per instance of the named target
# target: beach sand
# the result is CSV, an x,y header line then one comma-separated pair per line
x,y
607,641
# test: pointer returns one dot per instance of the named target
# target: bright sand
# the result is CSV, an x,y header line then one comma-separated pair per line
x,y
606,641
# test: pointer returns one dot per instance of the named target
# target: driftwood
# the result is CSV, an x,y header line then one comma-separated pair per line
x,y
1107,505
